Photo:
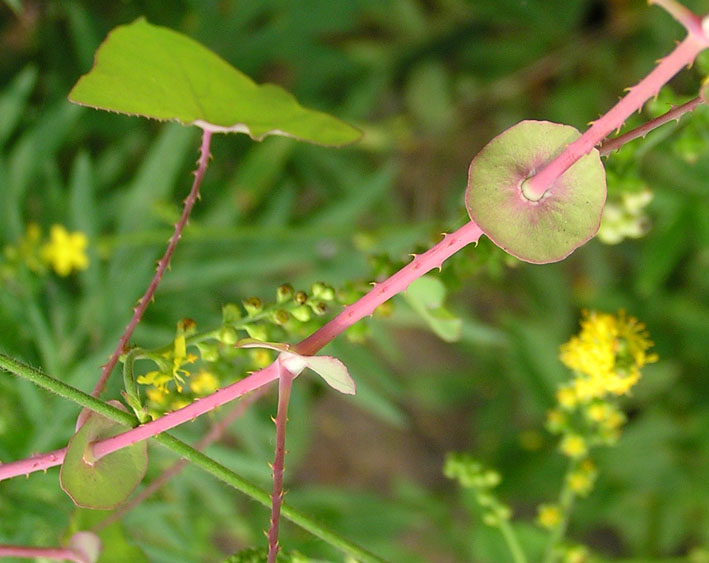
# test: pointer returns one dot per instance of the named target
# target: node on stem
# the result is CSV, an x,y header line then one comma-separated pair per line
x,y
537,228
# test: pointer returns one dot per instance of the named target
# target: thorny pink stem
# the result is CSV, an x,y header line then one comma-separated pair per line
x,y
607,147
429,260
683,55
162,265
432,258
58,553
285,382
214,434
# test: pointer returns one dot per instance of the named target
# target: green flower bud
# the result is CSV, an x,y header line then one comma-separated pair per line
x,y
301,297
230,313
322,291
318,307
301,313
280,317
208,351
284,293
257,331
228,335
253,306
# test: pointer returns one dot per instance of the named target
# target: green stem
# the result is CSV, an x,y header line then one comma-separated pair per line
x,y
187,452
508,533
566,502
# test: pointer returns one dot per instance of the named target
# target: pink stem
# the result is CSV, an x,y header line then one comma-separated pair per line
x,y
432,258
285,382
682,56
170,420
214,434
162,265
675,113
57,553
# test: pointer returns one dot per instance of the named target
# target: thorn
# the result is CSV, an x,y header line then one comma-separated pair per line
x,y
273,420
270,465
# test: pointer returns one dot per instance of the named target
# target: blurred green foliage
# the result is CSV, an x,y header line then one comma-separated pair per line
x,y
430,82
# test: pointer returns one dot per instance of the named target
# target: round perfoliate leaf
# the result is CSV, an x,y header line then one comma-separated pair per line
x,y
101,483
541,230
148,70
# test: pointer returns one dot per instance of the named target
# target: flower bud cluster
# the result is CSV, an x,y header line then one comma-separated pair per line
x,y
471,474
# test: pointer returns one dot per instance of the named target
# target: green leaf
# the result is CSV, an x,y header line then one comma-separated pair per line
x,y
15,6
144,69
426,296
101,484
567,215
14,100
333,371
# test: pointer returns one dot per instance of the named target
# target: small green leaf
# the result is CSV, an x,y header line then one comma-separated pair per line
x,y
426,296
333,371
144,69
101,484
567,215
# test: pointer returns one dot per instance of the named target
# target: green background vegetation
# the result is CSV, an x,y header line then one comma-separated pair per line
x,y
430,82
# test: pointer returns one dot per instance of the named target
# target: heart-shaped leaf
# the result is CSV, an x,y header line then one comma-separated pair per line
x,y
550,228
144,69
101,483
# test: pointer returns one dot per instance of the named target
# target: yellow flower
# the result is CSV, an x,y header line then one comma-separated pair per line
x,y
157,396
65,251
574,446
178,357
607,355
576,554
566,397
260,358
581,480
204,383
548,516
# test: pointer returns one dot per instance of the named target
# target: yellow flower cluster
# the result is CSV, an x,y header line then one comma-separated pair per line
x,y
606,357
63,252
172,366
